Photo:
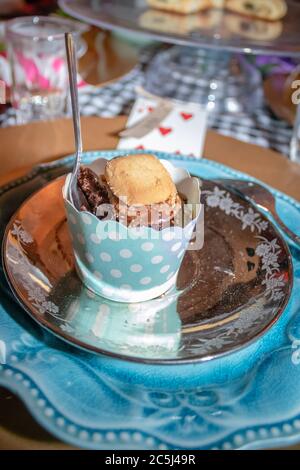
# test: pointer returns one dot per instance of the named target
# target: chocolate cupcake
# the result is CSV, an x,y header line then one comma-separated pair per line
x,y
136,190
129,234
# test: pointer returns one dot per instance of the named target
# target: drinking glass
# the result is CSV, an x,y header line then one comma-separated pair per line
x,y
36,51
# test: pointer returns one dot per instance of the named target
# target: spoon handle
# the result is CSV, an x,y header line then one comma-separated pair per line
x,y
72,67
284,228
261,197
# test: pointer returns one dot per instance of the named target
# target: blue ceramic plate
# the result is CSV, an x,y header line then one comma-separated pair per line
x,y
248,399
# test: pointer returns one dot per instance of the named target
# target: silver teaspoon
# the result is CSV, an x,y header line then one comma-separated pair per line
x,y
262,198
72,68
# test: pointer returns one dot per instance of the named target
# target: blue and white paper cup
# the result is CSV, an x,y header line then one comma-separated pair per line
x,y
128,264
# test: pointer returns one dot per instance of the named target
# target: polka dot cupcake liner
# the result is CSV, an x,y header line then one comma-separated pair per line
x,y
128,264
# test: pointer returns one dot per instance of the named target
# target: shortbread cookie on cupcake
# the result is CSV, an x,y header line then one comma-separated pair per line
x,y
142,179
269,10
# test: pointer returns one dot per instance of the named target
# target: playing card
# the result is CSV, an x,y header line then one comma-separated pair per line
x,y
182,130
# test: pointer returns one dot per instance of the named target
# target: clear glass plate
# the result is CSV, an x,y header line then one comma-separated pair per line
x,y
211,29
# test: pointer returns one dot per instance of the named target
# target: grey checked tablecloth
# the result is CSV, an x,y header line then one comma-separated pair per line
x,y
259,126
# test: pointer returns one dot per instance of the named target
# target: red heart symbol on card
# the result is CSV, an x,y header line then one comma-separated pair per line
x,y
186,116
140,147
165,130
150,109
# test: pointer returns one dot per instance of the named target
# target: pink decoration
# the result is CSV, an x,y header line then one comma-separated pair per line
x,y
32,73
57,64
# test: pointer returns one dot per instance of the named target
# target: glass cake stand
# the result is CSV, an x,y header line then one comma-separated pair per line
x,y
211,47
